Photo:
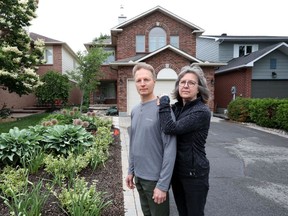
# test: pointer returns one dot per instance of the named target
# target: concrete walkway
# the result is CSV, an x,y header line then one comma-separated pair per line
x,y
131,197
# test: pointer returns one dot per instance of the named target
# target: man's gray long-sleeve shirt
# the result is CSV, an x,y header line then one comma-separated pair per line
x,y
152,153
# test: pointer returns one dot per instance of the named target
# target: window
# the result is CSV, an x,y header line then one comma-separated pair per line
x,y
48,55
140,43
273,63
108,90
111,57
244,49
157,38
174,41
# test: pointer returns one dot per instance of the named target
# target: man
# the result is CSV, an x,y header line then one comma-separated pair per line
x,y
152,153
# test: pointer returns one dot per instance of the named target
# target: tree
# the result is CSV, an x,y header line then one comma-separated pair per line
x,y
19,56
88,73
55,89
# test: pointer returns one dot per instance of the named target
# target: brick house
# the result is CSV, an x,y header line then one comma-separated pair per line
x,y
59,57
256,66
157,37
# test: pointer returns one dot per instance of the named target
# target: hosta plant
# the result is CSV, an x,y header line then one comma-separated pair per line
x,y
62,139
18,146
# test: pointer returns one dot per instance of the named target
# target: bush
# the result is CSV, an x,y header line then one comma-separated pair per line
x,y
238,110
54,91
282,116
266,112
4,111
263,112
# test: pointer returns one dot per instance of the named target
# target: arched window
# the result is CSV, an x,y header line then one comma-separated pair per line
x,y
157,38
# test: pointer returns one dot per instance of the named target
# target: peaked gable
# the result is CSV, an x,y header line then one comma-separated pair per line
x,y
49,41
249,60
142,57
196,29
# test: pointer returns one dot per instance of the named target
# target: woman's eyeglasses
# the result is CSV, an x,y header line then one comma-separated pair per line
x,y
189,83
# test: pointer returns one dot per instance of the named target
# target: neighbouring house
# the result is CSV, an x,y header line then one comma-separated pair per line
x,y
257,66
59,57
158,37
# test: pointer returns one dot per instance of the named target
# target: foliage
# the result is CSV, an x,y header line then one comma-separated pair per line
x,y
282,115
19,56
82,149
238,109
263,112
80,199
98,153
112,111
22,123
18,146
55,87
101,38
12,181
63,139
61,167
88,73
266,112
65,116
29,202
4,112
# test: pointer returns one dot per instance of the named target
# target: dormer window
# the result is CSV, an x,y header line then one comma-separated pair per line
x,y
244,49
157,38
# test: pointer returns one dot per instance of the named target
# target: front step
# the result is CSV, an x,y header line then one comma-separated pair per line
x,y
100,106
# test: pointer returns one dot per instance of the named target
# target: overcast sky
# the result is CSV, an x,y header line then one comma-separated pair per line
x,y
79,21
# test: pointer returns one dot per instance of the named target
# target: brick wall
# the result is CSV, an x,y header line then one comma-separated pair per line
x,y
126,39
224,81
57,61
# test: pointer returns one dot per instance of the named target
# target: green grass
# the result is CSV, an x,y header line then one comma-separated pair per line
x,y
22,123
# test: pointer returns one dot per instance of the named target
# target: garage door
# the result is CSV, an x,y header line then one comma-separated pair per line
x,y
161,87
269,89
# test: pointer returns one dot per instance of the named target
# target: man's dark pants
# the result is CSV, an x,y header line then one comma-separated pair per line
x,y
149,207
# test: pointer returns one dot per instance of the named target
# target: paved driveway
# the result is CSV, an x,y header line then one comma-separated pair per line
x,y
249,171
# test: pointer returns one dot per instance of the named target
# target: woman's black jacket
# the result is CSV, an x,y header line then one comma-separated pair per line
x,y
191,127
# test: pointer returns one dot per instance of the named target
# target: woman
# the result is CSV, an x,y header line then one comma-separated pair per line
x,y
190,181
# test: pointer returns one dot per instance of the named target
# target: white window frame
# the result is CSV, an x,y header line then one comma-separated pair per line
x,y
157,38
174,40
48,55
140,43
237,47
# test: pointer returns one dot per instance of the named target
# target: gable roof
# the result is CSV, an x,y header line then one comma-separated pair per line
x,y
49,41
196,29
241,39
142,57
250,59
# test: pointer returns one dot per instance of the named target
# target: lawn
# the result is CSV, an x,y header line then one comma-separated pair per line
x,y
23,122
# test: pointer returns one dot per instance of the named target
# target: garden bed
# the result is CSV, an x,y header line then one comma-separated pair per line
x,y
108,179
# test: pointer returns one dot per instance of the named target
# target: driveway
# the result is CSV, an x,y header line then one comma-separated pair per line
x,y
249,171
